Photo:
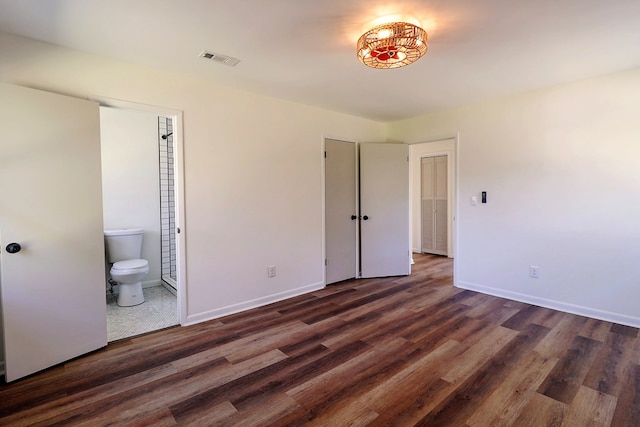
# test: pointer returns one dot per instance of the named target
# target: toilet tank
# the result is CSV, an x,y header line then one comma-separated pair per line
x,y
123,244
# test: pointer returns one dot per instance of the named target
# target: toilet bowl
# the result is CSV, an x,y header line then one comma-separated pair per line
x,y
124,248
129,274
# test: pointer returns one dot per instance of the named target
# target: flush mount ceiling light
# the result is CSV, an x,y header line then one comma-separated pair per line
x,y
392,45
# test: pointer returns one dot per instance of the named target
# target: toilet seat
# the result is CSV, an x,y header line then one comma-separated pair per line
x,y
130,266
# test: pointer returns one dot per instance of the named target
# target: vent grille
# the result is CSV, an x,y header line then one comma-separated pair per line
x,y
222,59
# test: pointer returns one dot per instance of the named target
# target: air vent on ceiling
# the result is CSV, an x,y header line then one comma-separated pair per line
x,y
222,59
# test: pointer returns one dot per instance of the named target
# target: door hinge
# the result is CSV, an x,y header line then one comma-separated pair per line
x,y
325,154
325,261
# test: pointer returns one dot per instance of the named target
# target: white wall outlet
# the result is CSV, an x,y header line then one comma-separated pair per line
x,y
534,271
271,271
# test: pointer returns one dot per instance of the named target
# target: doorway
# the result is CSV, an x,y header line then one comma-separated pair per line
x,y
143,186
445,150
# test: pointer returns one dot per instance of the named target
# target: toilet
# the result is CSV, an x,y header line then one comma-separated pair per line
x,y
124,249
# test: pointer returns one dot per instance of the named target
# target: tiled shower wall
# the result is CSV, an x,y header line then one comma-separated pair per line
x,y
167,201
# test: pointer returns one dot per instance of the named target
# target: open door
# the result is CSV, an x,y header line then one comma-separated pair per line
x,y
340,211
384,209
52,247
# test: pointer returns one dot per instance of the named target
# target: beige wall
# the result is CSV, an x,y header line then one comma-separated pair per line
x,y
253,171
562,174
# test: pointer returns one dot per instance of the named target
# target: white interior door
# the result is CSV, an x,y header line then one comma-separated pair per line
x,y
384,207
52,290
340,210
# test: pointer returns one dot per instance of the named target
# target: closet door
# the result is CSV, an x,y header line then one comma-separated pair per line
x,y
384,210
434,205
340,211
52,245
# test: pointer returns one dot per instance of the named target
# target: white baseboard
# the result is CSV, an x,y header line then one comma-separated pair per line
x,y
247,305
607,316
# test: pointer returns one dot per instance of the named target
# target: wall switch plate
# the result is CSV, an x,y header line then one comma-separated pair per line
x,y
271,271
474,201
534,271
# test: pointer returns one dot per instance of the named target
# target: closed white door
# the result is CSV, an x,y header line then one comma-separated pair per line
x,y
53,283
340,210
434,205
384,207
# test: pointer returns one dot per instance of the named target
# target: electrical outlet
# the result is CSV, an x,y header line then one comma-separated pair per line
x,y
534,271
271,271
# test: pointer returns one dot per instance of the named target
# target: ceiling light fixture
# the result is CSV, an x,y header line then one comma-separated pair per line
x,y
392,45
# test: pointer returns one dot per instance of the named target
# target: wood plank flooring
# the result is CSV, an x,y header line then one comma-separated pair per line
x,y
398,351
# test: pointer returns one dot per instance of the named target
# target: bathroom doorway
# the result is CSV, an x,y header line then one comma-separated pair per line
x,y
141,189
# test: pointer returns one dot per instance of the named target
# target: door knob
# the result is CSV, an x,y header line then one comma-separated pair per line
x,y
13,248
365,217
353,217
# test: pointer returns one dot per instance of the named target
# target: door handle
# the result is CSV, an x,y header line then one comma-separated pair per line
x,y
13,248
353,217
365,217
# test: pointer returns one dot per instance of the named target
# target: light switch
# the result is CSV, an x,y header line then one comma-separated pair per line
x,y
474,201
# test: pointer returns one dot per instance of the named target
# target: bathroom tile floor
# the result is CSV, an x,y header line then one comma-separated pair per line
x,y
158,311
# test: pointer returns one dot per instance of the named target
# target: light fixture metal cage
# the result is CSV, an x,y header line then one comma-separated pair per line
x,y
392,45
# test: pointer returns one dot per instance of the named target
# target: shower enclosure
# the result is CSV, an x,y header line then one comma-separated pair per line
x,y
167,202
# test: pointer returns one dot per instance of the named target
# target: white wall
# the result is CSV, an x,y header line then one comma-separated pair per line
x,y
131,179
253,171
438,147
560,167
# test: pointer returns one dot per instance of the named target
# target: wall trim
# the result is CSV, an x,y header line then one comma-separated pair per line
x,y
553,304
247,305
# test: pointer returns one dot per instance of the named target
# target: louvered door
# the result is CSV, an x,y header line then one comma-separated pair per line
x,y
434,205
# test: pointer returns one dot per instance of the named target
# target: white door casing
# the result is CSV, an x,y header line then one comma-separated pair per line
x,y
384,207
340,207
52,291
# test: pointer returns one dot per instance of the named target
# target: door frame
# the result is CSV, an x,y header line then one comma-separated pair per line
x,y
416,153
176,116
323,145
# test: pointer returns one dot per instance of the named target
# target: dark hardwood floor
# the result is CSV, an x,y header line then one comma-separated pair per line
x,y
395,351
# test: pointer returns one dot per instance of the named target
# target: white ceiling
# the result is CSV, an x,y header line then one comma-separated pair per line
x,y
304,50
